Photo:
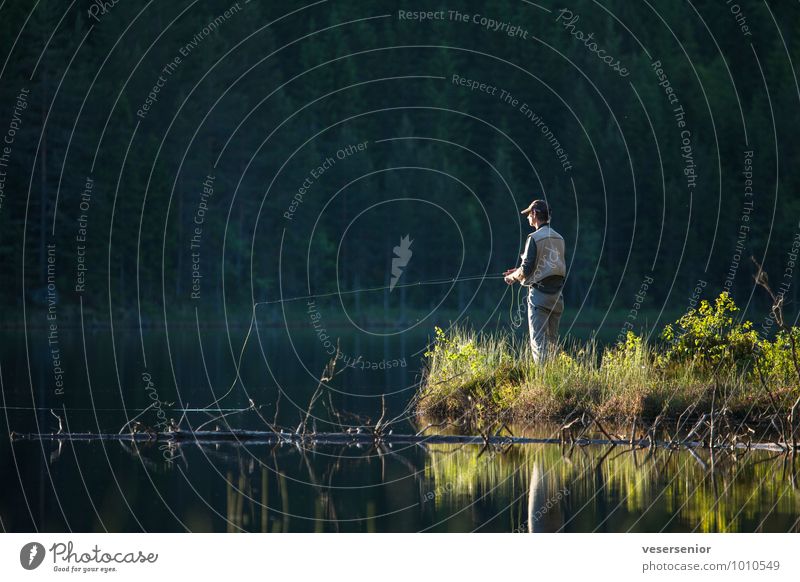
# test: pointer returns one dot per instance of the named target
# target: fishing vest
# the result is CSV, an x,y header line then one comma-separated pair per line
x,y
549,255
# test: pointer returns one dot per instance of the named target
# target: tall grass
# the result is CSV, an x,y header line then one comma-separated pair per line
x,y
478,377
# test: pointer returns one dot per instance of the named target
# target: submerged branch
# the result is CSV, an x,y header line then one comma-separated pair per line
x,y
269,437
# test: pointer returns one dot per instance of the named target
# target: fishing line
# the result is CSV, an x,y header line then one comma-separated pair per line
x,y
331,294
516,321
515,309
79,409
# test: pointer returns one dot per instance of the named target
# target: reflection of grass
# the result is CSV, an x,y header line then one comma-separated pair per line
x,y
481,377
665,486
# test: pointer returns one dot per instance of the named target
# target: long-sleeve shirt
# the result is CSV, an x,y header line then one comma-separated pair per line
x,y
528,257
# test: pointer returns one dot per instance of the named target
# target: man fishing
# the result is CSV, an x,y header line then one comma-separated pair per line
x,y
543,270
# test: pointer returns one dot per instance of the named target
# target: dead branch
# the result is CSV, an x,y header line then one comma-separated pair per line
x,y
762,280
60,424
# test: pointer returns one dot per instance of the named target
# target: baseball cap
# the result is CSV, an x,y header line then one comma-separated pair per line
x,y
539,206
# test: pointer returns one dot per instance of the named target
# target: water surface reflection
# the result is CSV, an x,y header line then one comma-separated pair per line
x,y
528,488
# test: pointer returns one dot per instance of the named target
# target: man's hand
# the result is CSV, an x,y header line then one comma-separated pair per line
x,y
510,276
509,280
507,272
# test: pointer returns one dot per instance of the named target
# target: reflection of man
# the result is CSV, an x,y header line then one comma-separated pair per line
x,y
543,269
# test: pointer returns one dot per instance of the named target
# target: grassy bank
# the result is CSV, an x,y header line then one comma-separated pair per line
x,y
707,355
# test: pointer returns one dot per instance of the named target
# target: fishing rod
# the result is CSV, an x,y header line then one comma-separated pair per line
x,y
383,288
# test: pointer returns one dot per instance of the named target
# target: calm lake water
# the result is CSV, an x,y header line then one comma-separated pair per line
x,y
111,486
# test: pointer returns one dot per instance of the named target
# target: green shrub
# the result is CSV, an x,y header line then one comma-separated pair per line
x,y
624,355
469,372
710,337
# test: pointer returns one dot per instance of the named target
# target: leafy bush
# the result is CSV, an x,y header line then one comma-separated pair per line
x,y
626,354
458,353
710,337
470,372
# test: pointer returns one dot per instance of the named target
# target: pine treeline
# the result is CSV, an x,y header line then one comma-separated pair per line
x,y
256,108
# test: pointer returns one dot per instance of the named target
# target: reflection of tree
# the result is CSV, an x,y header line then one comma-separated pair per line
x,y
339,490
247,501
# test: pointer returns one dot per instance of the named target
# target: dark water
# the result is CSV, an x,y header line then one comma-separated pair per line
x,y
111,486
